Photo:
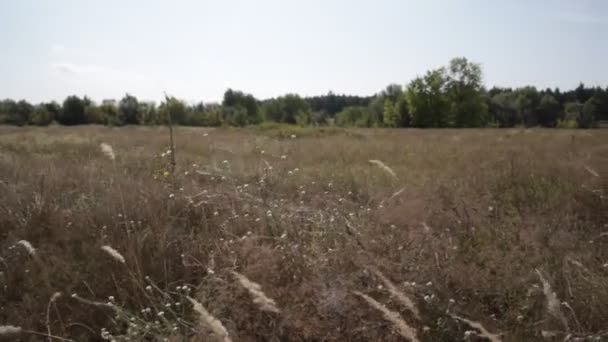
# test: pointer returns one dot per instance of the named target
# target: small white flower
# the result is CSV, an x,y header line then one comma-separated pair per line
x,y
283,157
430,283
171,196
293,136
257,219
215,213
111,298
160,314
205,134
148,288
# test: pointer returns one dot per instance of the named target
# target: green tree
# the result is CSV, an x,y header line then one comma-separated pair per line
x,y
73,112
95,115
290,108
236,115
128,108
504,109
403,111
214,115
41,116
465,93
357,116
548,111
390,115
174,107
588,113
234,98
427,101
148,113
527,101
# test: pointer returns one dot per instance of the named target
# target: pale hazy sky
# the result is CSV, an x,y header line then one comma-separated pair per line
x,y
196,49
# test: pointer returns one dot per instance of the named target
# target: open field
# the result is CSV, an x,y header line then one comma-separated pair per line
x,y
506,228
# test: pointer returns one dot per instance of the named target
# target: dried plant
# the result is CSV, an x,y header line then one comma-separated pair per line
x,y
398,323
384,167
107,150
208,322
397,294
553,303
255,290
9,330
113,253
483,332
28,247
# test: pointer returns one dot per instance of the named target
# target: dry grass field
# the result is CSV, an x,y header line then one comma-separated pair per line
x,y
303,234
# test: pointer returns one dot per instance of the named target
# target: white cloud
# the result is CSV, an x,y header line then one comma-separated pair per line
x,y
100,81
57,49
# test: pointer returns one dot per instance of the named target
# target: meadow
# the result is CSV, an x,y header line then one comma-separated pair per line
x,y
282,233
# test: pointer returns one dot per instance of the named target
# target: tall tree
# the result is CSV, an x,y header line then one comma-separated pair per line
x,y
391,117
234,98
427,100
73,112
548,111
128,108
466,94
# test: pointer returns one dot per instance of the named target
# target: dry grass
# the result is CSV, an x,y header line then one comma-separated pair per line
x,y
459,233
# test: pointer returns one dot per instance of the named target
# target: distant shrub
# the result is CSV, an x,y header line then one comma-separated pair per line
x,y
566,123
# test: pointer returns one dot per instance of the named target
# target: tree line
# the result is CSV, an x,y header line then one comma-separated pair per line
x,y
450,96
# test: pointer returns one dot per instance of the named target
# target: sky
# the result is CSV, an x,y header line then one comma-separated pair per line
x,y
195,50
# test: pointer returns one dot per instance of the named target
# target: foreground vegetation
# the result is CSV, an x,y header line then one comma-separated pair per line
x,y
299,234
450,96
